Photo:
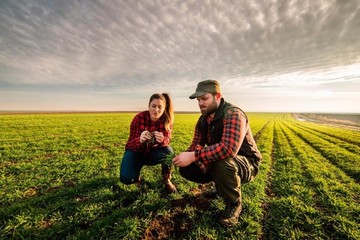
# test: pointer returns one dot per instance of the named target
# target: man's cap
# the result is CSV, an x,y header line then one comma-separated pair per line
x,y
204,87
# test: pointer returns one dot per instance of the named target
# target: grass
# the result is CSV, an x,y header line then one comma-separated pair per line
x,y
59,180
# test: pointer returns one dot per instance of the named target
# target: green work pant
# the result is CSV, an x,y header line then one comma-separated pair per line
x,y
228,175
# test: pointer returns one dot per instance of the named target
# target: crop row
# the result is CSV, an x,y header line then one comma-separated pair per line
x,y
313,198
343,134
346,160
58,173
348,145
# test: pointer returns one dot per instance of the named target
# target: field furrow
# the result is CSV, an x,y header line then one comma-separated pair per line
x,y
254,194
345,135
349,145
59,179
336,194
266,144
354,148
342,158
292,211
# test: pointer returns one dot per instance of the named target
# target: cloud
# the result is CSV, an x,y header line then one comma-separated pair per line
x,y
107,43
126,44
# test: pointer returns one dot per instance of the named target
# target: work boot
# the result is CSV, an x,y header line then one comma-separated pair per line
x,y
138,182
231,214
211,191
166,177
207,190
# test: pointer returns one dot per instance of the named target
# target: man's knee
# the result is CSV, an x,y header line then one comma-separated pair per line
x,y
194,174
184,172
127,180
224,167
227,180
246,169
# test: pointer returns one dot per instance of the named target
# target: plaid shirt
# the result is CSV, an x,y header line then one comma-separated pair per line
x,y
142,122
231,140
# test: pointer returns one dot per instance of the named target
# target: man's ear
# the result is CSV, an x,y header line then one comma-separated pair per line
x,y
218,96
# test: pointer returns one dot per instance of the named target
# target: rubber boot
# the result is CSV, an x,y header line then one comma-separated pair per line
x,y
166,177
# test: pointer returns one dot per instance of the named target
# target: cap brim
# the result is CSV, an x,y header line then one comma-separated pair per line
x,y
197,94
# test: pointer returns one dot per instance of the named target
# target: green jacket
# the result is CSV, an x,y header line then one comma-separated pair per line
x,y
248,147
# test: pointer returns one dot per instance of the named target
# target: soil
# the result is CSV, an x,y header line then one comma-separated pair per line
x,y
176,223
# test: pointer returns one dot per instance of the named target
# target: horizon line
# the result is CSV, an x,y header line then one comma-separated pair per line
x,y
136,111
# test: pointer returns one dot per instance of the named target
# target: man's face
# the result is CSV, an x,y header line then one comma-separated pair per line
x,y
207,104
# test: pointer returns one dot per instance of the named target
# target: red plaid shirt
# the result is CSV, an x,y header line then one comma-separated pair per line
x,y
232,138
142,122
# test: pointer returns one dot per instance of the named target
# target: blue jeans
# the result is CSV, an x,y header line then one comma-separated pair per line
x,y
132,163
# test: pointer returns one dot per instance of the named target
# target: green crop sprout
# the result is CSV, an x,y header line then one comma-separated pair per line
x,y
168,159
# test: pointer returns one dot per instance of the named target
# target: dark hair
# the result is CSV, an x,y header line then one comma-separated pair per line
x,y
169,111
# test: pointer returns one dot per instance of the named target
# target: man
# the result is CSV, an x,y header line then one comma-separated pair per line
x,y
223,149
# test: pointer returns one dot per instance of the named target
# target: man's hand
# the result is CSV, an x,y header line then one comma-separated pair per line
x,y
184,159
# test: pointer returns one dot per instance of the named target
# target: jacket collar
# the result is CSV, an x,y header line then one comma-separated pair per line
x,y
219,110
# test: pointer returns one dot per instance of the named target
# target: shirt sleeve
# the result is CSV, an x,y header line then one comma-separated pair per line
x,y
232,137
196,139
167,137
136,127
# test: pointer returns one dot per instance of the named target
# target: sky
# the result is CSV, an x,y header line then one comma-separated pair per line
x,y
268,55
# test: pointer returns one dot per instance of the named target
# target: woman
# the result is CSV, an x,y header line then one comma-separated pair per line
x,y
148,143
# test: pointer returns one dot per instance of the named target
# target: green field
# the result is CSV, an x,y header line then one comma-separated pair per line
x,y
59,180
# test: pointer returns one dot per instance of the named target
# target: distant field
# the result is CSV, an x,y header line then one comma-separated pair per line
x,y
59,180
343,120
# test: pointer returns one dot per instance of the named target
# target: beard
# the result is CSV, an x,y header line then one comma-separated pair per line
x,y
209,110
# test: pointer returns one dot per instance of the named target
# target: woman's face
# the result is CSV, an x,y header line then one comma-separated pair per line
x,y
156,108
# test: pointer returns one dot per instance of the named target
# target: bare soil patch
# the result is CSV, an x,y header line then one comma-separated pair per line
x,y
176,223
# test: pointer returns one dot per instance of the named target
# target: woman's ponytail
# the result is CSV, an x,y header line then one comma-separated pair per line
x,y
169,112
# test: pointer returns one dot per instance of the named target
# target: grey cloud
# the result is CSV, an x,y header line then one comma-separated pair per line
x,y
131,42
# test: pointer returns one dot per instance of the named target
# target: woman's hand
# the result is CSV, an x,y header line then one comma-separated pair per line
x,y
159,136
145,136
